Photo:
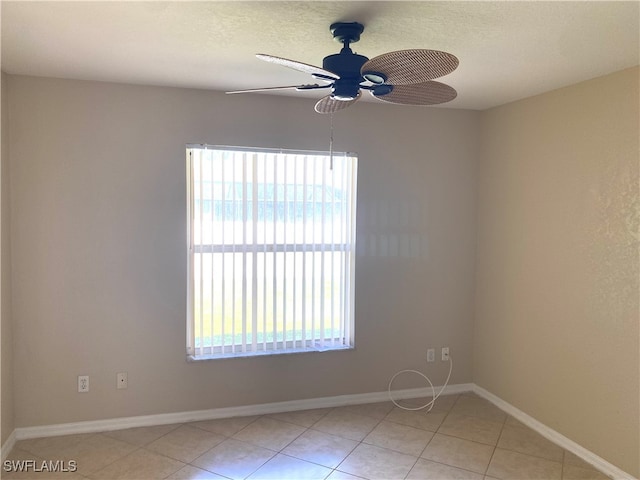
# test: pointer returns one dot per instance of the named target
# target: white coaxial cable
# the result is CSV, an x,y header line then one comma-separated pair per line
x,y
430,404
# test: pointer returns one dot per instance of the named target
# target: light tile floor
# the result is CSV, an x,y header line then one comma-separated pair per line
x,y
463,437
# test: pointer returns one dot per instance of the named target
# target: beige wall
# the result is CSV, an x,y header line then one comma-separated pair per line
x,y
556,329
6,333
97,204
98,246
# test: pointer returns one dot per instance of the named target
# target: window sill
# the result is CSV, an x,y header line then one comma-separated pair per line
x,y
269,353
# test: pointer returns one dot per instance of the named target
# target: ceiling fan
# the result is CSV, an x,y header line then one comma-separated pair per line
x,y
403,76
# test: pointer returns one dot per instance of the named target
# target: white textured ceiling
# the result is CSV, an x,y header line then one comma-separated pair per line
x,y
507,50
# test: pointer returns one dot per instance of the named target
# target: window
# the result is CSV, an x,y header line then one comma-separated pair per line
x,y
271,251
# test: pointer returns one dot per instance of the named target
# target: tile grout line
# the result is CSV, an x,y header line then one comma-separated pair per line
x,y
254,445
432,436
280,451
154,452
360,442
116,460
495,447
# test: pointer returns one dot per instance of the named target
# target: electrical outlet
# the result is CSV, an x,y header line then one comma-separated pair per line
x,y
445,354
121,380
431,355
83,383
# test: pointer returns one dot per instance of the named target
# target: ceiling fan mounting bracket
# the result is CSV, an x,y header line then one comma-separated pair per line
x,y
346,32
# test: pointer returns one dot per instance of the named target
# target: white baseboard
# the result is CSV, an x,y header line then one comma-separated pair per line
x,y
323,402
92,426
557,438
7,446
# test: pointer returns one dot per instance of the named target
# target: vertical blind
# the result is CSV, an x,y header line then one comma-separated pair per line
x,y
271,251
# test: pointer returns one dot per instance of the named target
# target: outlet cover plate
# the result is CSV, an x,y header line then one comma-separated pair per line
x,y
431,355
445,354
121,381
83,383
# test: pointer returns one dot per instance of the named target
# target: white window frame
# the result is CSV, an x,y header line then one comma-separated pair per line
x,y
249,289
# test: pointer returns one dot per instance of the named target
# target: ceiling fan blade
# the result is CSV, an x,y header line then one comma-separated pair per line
x,y
312,86
427,93
302,67
330,105
404,67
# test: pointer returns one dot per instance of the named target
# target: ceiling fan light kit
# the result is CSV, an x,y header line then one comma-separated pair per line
x,y
403,77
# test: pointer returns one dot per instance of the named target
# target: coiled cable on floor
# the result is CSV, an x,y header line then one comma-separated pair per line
x,y
433,389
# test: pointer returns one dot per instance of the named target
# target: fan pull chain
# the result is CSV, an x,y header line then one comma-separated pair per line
x,y
331,142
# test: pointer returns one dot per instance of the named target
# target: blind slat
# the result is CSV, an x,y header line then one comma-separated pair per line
x,y
313,256
264,257
254,263
233,258
212,276
190,261
304,255
295,256
222,267
274,286
284,256
333,253
344,328
200,280
244,252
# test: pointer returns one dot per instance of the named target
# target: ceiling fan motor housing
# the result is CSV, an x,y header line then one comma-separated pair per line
x,y
346,65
